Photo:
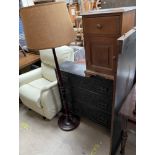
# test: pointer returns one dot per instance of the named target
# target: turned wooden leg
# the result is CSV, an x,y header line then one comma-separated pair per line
x,y
124,136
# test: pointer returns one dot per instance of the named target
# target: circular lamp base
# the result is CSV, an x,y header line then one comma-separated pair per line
x,y
68,124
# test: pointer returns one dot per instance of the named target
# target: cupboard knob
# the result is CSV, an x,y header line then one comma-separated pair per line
x,y
114,57
99,26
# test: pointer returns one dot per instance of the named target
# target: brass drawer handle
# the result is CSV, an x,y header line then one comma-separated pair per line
x,y
99,26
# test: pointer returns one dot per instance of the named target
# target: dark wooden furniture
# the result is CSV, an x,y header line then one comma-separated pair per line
x,y
128,114
124,79
89,97
101,30
29,59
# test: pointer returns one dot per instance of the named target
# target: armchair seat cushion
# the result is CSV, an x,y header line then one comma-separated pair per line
x,y
33,96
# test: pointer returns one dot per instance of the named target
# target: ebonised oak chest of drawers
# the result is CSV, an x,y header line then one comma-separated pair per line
x,y
101,30
89,97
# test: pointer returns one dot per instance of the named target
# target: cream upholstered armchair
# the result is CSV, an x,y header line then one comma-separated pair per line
x,y
39,89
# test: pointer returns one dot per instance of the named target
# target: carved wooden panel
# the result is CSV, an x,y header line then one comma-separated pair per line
x,y
100,54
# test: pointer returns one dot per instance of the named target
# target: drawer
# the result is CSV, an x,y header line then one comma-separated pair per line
x,y
102,25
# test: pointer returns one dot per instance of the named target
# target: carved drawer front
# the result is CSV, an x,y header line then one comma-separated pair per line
x,y
102,25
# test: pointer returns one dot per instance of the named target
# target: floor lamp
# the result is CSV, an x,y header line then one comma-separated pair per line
x,y
49,26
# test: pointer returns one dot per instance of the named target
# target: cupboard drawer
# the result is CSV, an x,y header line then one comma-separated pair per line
x,y
102,25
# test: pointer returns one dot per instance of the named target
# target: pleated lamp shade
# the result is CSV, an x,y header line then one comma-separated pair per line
x,y
47,25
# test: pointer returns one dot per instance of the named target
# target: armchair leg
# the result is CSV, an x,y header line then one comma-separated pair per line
x,y
20,101
44,118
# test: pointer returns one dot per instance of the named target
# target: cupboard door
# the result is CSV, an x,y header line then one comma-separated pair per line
x,y
100,54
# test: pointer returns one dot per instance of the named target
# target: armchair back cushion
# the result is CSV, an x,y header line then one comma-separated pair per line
x,y
64,53
47,72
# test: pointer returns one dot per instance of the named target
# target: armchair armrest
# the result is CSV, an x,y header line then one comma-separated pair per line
x,y
52,84
29,76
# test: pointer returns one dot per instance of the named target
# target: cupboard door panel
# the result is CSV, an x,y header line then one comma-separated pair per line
x,y
100,54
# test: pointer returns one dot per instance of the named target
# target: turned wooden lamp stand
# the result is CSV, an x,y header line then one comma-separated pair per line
x,y
49,26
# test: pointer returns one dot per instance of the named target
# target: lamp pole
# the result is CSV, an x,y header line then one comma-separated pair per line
x,y
67,121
